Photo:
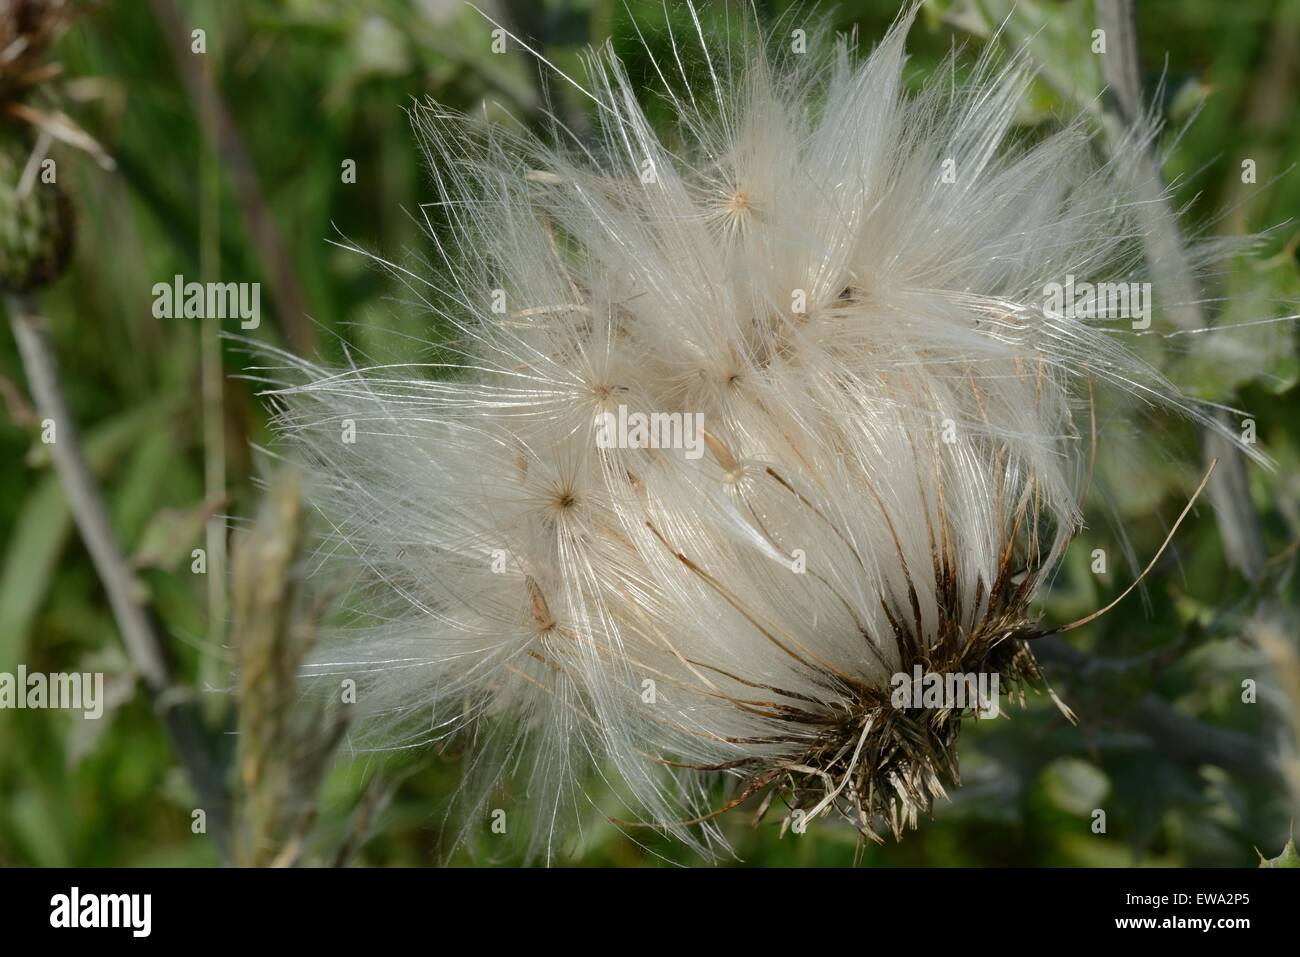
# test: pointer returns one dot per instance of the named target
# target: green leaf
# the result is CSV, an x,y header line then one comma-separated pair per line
x,y
38,539
1288,857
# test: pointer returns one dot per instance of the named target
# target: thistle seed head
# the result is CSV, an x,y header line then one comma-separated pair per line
x,y
740,424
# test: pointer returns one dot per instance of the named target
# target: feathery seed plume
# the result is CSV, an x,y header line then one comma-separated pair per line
x,y
737,425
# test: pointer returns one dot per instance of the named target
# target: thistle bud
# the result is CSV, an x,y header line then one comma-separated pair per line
x,y
37,224
36,215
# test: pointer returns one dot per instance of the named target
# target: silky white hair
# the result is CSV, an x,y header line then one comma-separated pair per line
x,y
847,280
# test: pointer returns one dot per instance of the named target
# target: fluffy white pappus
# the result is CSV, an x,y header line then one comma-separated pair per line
x,y
827,296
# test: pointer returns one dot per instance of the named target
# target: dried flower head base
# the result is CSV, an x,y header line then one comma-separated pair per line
x,y
28,28
880,766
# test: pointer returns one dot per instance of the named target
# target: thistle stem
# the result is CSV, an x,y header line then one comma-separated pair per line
x,y
141,631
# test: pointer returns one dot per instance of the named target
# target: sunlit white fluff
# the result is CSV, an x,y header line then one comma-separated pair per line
x,y
519,586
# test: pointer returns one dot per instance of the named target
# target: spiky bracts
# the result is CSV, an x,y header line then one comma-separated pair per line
x,y
881,765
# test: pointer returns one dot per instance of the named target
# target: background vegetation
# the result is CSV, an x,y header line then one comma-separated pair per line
x,y
308,84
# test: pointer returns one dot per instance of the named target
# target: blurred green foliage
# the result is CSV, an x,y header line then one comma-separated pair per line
x,y
311,83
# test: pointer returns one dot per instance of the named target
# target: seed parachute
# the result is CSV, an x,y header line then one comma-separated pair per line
x,y
842,281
